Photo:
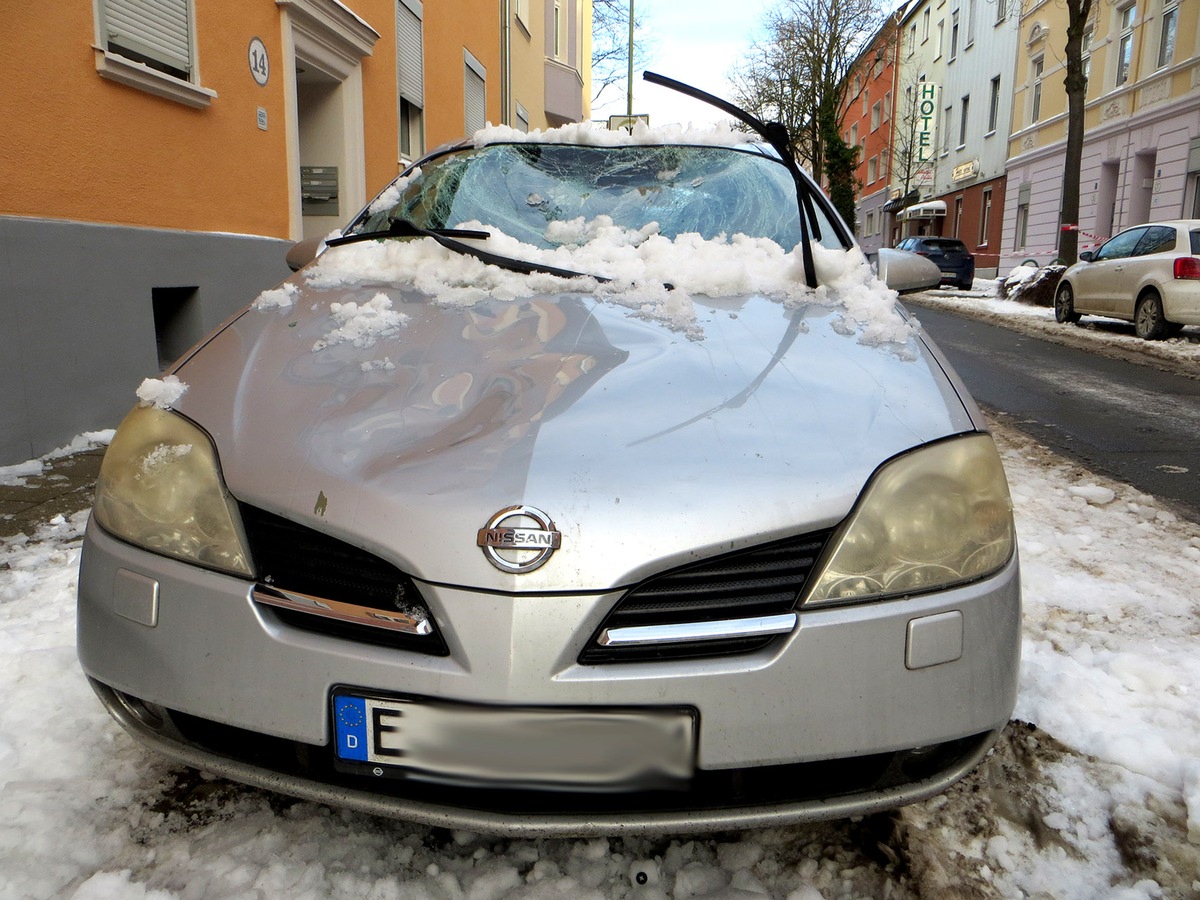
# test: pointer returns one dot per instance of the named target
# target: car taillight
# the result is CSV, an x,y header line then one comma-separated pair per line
x,y
926,253
1187,267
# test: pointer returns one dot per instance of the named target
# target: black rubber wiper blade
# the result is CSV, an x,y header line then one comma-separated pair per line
x,y
452,239
405,228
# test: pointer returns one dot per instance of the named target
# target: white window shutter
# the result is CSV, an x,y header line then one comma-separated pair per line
x,y
475,95
410,52
157,29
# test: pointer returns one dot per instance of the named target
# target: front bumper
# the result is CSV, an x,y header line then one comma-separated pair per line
x,y
823,723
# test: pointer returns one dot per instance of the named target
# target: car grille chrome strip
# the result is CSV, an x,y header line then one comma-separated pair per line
x,y
725,629
414,622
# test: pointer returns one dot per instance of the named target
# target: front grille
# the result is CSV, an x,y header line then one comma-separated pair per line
x,y
292,557
765,580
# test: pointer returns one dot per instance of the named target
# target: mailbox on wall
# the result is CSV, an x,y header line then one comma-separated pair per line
x,y
319,190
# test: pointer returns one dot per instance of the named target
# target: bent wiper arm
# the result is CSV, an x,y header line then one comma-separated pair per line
x,y
405,228
447,238
775,134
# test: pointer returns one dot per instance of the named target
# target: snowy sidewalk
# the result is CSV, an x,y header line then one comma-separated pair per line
x,y
35,492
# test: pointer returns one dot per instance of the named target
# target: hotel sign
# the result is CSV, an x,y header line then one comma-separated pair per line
x,y
965,171
927,106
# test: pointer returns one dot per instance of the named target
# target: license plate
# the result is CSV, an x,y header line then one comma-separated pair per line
x,y
514,746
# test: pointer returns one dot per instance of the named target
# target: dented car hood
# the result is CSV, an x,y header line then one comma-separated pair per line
x,y
647,447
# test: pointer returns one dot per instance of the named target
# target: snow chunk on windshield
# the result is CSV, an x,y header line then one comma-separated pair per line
x,y
588,134
161,393
637,269
363,324
391,195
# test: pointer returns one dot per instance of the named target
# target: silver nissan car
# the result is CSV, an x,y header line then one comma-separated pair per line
x,y
585,483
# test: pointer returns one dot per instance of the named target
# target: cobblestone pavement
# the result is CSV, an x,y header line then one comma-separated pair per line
x,y
64,487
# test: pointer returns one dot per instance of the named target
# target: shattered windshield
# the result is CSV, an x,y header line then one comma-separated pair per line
x,y
520,189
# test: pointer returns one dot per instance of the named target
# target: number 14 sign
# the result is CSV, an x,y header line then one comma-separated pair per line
x,y
260,66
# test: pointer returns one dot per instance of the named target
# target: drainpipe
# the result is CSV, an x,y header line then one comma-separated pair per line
x,y
505,61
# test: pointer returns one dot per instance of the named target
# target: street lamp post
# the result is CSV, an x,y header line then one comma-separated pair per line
x,y
629,80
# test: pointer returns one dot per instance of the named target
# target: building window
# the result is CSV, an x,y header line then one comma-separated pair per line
x,y
941,39
1001,10
962,122
972,12
1086,54
958,204
954,34
853,135
994,106
522,119
985,217
1125,47
872,169
1022,226
474,93
878,70
151,47
410,77
887,106
522,11
876,114
1166,41
925,26
912,38
948,120
869,228
865,94
1035,106
158,35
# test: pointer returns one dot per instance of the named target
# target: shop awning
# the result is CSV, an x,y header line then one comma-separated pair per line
x,y
927,210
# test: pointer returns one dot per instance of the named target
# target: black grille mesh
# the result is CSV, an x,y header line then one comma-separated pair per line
x,y
293,557
762,581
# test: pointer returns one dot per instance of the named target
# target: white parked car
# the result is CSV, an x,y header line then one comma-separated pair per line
x,y
1148,275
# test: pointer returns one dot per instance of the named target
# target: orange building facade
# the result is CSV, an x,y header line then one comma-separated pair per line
x,y
160,156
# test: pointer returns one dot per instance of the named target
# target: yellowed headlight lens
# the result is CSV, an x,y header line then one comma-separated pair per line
x,y
936,517
160,488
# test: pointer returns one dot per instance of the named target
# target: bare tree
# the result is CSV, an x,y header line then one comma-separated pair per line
x,y
610,44
797,74
1078,12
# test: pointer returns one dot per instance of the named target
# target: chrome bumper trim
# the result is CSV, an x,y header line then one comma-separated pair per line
x,y
343,612
724,629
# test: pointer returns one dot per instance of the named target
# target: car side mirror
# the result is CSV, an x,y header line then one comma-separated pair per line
x,y
303,252
904,272
1087,256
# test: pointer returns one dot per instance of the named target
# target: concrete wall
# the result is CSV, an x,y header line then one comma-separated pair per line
x,y
77,324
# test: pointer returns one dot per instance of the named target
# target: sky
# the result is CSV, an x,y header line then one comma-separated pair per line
x,y
697,42
1093,791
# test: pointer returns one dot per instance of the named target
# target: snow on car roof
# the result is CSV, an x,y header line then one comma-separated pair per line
x,y
591,135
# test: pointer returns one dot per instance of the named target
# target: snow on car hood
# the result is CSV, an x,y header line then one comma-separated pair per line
x,y
375,399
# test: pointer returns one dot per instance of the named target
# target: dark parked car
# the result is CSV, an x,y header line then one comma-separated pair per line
x,y
951,256
444,529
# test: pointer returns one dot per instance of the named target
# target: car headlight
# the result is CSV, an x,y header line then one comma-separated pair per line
x,y
932,518
160,488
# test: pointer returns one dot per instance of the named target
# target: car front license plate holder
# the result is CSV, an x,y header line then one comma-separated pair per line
x,y
582,748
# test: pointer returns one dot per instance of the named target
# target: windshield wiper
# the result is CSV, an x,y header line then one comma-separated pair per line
x,y
406,228
450,239
775,134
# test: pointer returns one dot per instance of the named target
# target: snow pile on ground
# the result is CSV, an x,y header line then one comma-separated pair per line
x,y
15,474
1100,799
638,269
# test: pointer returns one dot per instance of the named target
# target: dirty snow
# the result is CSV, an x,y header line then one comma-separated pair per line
x,y
161,392
1099,797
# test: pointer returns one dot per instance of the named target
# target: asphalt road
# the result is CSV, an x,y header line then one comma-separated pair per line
x,y
1134,423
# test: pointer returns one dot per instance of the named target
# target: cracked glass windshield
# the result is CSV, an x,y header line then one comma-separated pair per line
x,y
521,188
